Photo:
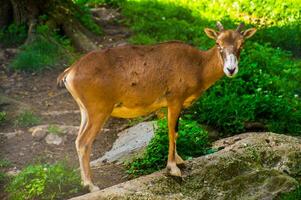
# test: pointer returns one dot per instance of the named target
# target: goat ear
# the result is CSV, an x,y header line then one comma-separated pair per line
x,y
249,33
211,33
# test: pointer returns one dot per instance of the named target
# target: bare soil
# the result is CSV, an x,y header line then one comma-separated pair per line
x,y
38,92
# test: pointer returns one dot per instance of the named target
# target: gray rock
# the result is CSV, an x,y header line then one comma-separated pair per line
x,y
250,166
129,142
13,172
53,139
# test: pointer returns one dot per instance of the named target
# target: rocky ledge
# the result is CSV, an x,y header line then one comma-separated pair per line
x,y
248,166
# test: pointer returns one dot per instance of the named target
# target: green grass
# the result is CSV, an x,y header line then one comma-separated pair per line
x,y
27,118
277,21
293,195
85,17
54,129
45,182
4,163
36,56
192,142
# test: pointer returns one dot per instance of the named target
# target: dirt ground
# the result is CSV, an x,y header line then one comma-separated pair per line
x,y
38,92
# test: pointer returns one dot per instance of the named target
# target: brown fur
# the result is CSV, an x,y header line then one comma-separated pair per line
x,y
133,80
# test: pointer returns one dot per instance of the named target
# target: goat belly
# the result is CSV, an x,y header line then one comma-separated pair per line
x,y
122,111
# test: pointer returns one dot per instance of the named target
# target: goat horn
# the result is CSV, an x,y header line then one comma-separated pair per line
x,y
240,27
219,26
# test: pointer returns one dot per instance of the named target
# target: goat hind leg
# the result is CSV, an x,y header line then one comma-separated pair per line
x,y
84,143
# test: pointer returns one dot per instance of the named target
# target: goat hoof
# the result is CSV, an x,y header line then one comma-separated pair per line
x,y
179,160
174,171
91,187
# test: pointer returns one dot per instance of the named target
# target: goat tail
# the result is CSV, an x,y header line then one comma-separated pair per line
x,y
61,78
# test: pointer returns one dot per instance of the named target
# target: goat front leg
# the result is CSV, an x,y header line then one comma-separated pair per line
x,y
179,160
173,115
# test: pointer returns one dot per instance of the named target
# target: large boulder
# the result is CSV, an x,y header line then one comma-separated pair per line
x,y
129,143
249,166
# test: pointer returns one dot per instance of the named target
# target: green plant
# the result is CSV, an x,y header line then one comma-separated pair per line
x,y
27,118
293,195
3,178
36,56
85,17
54,129
13,35
45,182
4,163
2,117
192,141
266,91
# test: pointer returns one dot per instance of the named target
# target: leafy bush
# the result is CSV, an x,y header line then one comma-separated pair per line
x,y
192,141
266,90
27,118
45,182
13,35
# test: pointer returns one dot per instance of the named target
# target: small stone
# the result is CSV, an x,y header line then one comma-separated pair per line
x,y
53,139
39,132
13,172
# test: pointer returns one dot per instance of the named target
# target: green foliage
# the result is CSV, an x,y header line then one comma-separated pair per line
x,y
27,118
85,17
192,141
38,55
13,35
2,117
45,182
293,195
185,20
266,90
3,177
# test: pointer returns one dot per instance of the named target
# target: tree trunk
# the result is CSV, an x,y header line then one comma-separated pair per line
x,y
6,12
20,11
61,13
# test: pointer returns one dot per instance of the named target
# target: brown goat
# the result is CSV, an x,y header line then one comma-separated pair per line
x,y
133,80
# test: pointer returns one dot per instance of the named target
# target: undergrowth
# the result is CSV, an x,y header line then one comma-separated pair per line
x,y
47,50
192,142
293,195
13,35
27,118
45,182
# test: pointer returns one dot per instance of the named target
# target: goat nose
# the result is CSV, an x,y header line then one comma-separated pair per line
x,y
231,71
